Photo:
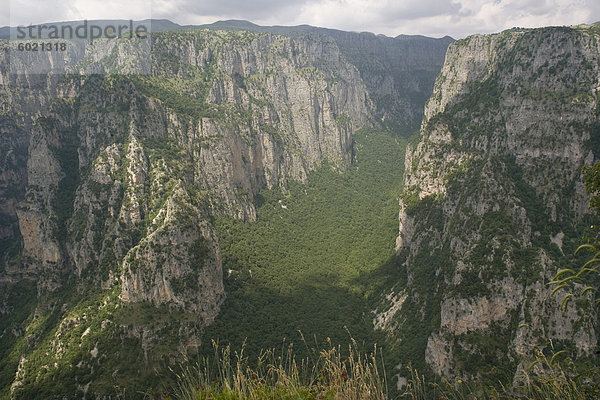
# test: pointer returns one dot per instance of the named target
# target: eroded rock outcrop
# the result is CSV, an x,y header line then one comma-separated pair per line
x,y
492,184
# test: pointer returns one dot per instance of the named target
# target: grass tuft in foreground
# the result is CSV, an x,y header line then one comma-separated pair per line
x,y
337,373
329,374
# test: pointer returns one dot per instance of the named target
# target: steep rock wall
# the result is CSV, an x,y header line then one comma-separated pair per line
x,y
398,72
494,202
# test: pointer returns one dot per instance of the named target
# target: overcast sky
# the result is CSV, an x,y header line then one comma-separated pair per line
x,y
457,18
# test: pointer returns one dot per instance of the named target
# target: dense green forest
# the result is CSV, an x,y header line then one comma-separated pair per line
x,y
306,264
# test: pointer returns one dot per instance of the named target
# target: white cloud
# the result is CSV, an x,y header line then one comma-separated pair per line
x,y
457,18
25,12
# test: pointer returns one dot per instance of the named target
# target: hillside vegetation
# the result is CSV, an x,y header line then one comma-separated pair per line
x,y
302,265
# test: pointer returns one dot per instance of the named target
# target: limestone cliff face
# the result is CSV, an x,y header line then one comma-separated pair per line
x,y
295,104
21,98
226,113
494,202
398,72
112,181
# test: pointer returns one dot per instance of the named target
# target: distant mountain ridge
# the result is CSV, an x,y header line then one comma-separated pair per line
x,y
162,25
